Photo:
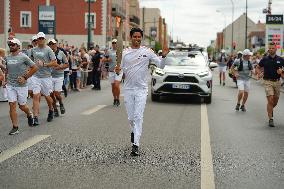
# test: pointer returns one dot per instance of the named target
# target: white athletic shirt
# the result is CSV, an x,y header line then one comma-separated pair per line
x,y
134,65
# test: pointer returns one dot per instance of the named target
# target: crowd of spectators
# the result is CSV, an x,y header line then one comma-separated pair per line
x,y
86,68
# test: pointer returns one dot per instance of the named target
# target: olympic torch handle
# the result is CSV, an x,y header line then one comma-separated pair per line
x,y
119,48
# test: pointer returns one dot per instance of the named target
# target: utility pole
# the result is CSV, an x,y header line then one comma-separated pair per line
x,y
154,36
89,24
246,32
47,3
233,10
143,16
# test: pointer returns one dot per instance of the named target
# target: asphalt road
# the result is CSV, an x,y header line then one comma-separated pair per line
x,y
89,146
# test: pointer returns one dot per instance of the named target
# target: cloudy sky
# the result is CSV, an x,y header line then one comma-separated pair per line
x,y
197,21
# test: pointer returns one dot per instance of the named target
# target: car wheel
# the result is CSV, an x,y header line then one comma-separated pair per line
x,y
155,97
208,99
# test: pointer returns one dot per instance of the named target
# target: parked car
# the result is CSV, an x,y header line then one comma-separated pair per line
x,y
184,74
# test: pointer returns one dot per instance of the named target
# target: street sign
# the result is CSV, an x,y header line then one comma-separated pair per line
x,y
46,19
275,32
274,19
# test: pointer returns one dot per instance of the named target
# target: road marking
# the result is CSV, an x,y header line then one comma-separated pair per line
x,y
207,173
22,146
93,110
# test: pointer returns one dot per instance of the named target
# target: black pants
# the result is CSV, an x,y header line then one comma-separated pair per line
x,y
97,79
90,78
73,78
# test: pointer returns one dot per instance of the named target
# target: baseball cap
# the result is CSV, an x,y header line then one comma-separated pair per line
x,y
114,41
52,41
240,52
15,41
34,37
247,52
223,51
160,51
40,34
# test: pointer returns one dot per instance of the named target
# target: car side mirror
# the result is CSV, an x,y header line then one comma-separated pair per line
x,y
213,65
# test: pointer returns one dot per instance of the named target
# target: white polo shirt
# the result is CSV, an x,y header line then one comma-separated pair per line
x,y
134,65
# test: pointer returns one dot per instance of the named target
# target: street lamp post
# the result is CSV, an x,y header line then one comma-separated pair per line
x,y
150,34
246,32
233,10
224,36
89,24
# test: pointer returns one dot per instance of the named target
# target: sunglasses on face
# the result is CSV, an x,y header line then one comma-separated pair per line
x,y
35,40
113,42
41,38
11,44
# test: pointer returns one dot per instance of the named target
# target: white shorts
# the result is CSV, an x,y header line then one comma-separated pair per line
x,y
30,83
17,94
222,68
42,85
57,84
78,74
243,85
114,77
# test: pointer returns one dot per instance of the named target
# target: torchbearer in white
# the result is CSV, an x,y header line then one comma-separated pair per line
x,y
134,64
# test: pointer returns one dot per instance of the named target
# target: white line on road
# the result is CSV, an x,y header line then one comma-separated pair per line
x,y
93,110
207,173
22,146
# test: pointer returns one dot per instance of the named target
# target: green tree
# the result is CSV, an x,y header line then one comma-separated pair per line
x,y
158,46
210,50
261,51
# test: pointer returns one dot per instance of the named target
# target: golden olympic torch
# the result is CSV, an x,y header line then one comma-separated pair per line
x,y
119,48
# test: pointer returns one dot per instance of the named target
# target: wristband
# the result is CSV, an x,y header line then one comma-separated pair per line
x,y
25,77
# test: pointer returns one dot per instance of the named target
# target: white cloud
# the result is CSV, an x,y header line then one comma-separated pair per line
x,y
196,21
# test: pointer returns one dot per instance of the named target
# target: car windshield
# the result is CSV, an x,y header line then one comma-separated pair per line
x,y
194,60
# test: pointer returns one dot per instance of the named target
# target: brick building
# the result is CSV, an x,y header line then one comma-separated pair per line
x,y
219,41
71,20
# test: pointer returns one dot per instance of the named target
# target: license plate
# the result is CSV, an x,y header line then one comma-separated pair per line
x,y
181,86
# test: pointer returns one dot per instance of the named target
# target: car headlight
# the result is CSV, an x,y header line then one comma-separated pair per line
x,y
203,74
159,72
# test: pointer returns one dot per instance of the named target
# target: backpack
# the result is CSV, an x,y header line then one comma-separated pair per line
x,y
220,59
241,66
56,53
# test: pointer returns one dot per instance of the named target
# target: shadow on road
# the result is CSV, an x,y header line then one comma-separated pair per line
x,y
179,99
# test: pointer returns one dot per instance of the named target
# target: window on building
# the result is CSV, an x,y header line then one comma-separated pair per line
x,y
90,0
92,20
26,19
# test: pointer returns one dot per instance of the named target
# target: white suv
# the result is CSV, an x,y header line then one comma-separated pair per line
x,y
185,73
